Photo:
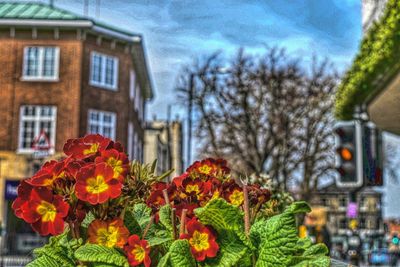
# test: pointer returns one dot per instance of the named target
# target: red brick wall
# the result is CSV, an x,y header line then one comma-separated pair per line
x,y
65,94
108,100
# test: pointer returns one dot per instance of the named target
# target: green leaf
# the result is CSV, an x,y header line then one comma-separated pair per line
x,y
232,250
88,219
221,215
131,223
309,261
164,261
156,240
44,261
100,254
57,250
142,214
276,238
165,214
180,254
317,249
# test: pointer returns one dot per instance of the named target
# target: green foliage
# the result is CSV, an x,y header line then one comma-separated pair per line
x,y
100,256
165,214
137,217
180,255
227,220
375,65
58,251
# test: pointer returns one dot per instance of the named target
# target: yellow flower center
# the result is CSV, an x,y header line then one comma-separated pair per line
x,y
93,149
47,210
199,241
108,237
192,188
116,165
96,185
139,253
236,198
205,169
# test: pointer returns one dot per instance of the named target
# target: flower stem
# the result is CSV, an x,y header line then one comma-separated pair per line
x,y
246,210
173,221
166,198
148,226
183,222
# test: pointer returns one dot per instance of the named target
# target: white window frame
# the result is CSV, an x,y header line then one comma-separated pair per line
x,y
101,124
131,141
40,77
102,83
132,85
37,118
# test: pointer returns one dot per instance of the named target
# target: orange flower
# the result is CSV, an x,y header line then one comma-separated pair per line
x,y
45,212
111,233
201,239
138,251
95,184
156,198
118,161
233,193
86,147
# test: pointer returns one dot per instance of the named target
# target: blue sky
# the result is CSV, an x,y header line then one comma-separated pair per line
x,y
176,32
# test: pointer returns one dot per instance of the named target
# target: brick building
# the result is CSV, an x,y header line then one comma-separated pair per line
x,y
65,76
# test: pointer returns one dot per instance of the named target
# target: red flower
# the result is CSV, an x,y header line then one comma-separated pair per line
x,y
86,147
258,195
48,174
111,233
45,212
95,184
24,193
233,193
201,239
138,251
209,167
195,189
156,198
118,161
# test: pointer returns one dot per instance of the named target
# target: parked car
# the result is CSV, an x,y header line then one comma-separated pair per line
x,y
382,256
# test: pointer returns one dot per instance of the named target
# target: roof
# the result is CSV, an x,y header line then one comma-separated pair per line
x,y
375,65
21,14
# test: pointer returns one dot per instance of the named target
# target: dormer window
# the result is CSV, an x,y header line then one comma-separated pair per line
x,y
41,63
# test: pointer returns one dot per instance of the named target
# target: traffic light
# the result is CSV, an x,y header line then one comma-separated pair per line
x,y
372,155
349,154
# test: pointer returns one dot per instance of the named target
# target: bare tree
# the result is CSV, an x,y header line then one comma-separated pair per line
x,y
264,114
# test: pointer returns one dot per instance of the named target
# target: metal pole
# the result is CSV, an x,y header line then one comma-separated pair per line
x,y
190,108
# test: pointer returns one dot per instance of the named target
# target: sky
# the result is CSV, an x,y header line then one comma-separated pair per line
x,y
177,32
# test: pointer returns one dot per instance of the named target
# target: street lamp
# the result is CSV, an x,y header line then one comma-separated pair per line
x,y
221,70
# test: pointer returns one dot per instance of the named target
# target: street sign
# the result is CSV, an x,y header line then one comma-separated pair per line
x,y
41,145
11,190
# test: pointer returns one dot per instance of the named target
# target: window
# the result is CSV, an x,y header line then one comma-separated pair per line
x,y
33,121
131,141
104,71
41,63
102,122
343,223
132,83
343,202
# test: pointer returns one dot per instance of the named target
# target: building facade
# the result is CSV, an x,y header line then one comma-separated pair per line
x,y
63,76
335,201
163,141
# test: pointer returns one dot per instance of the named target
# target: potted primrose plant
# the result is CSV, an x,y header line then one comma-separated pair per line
x,y
102,210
